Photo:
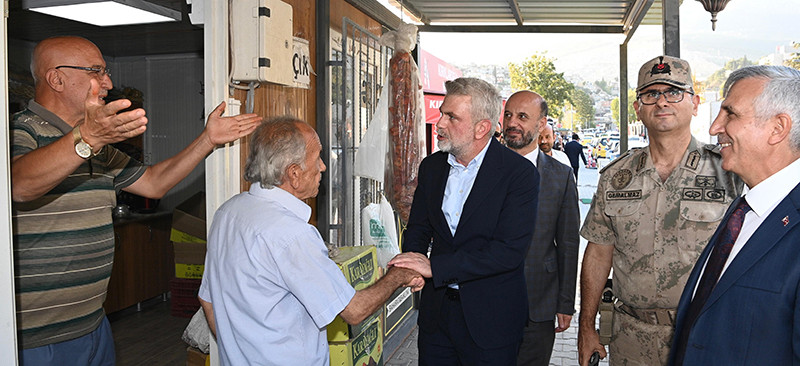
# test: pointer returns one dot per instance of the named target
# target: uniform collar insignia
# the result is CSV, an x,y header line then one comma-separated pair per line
x,y
693,160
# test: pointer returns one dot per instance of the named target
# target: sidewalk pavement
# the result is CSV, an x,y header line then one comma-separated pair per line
x,y
565,350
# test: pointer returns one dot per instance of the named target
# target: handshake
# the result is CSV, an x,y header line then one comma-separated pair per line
x,y
411,269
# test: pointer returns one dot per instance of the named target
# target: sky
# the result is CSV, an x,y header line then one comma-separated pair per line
x,y
752,28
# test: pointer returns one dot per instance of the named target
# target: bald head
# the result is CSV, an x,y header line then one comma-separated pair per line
x,y
546,139
64,50
63,69
524,116
533,99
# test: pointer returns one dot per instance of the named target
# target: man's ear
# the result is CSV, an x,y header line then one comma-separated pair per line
x,y
54,80
780,128
293,173
542,123
695,103
482,128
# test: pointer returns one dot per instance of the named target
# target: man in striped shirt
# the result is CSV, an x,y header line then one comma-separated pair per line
x,y
64,178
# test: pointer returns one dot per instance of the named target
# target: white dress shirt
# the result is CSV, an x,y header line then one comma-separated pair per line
x,y
459,184
561,157
533,156
269,278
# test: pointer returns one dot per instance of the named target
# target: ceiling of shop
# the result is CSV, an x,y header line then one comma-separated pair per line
x,y
543,16
128,40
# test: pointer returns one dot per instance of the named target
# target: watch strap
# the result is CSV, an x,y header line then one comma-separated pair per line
x,y
78,138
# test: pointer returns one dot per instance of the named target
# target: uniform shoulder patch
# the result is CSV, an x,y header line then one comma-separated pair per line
x,y
618,159
621,178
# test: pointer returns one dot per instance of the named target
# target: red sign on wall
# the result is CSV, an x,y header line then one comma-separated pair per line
x,y
434,72
432,104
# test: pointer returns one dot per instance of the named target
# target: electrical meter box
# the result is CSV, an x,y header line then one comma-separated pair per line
x,y
262,41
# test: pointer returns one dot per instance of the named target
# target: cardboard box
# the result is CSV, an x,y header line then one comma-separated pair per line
x,y
360,268
359,265
189,217
365,349
189,271
194,357
190,253
340,331
178,236
397,307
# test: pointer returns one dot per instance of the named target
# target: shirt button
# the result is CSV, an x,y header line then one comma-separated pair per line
x,y
458,213
460,191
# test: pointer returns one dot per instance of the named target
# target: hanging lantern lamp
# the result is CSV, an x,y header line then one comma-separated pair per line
x,y
714,7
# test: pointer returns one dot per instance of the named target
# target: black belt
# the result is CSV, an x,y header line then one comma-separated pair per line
x,y
452,294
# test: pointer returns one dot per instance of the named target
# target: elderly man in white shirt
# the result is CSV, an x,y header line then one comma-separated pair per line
x,y
269,289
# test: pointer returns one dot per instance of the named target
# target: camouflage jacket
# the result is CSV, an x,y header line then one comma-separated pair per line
x,y
658,229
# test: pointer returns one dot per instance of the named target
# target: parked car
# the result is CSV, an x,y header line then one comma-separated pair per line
x,y
636,141
599,151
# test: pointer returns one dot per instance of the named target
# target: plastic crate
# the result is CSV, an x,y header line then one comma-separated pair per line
x,y
184,302
181,287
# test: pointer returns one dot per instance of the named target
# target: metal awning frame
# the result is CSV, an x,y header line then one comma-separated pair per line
x,y
634,16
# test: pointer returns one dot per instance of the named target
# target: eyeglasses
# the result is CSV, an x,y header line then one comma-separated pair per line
x,y
672,95
101,71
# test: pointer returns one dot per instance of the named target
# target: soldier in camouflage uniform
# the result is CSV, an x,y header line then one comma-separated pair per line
x,y
654,210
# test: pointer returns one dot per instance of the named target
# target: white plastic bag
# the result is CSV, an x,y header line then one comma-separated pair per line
x,y
197,333
378,228
371,154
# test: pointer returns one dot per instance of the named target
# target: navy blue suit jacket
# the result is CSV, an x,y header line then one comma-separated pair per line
x,y
752,316
485,256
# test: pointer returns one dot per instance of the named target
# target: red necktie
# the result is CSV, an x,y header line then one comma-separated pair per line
x,y
719,255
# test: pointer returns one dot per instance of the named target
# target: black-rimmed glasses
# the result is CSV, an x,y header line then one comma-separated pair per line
x,y
101,71
672,95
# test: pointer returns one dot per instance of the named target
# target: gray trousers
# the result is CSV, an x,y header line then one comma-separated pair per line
x,y
537,344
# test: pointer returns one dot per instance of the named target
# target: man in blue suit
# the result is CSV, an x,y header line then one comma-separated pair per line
x,y
475,209
749,314
551,266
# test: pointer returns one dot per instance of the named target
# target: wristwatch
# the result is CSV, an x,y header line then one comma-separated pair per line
x,y
83,149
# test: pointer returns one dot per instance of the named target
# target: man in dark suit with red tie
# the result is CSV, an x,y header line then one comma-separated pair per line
x,y
741,305
475,208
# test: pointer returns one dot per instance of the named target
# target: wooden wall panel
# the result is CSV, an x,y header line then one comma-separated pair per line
x,y
340,8
273,100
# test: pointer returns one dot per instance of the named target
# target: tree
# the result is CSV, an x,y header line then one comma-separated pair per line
x,y
584,106
604,86
717,80
794,61
538,73
631,111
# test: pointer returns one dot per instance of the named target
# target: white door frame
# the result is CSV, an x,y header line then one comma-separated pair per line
x,y
8,319
222,166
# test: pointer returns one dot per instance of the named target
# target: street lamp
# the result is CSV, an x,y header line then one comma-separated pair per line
x,y
714,7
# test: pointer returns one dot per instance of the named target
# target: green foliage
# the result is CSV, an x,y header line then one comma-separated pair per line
x,y
538,73
604,86
631,111
717,80
794,61
584,106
